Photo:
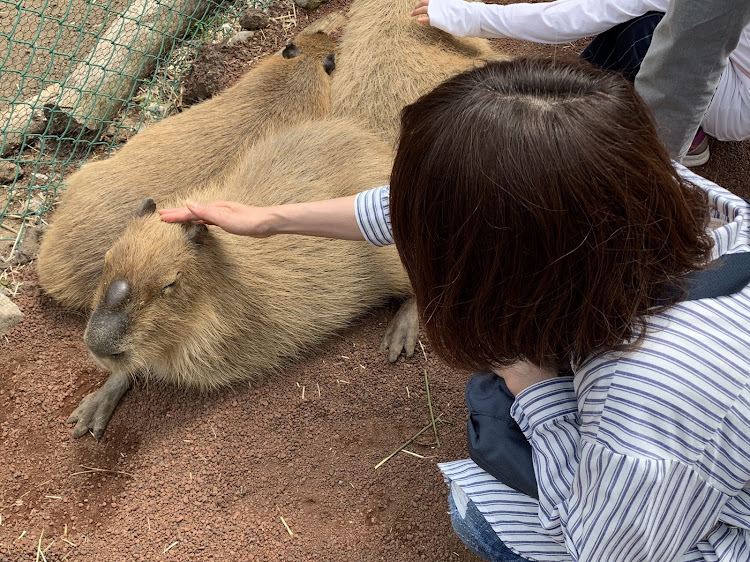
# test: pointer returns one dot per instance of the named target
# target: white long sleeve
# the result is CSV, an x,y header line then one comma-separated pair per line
x,y
544,22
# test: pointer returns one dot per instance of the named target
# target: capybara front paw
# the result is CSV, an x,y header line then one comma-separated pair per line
x,y
95,410
92,414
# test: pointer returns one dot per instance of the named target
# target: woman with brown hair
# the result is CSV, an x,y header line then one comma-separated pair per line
x,y
545,231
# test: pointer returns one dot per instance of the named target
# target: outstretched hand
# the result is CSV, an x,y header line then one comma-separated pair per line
x,y
233,217
420,11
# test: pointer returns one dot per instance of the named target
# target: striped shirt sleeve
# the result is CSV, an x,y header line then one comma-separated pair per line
x,y
603,505
547,413
373,215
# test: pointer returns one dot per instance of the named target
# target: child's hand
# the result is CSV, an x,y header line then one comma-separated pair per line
x,y
421,11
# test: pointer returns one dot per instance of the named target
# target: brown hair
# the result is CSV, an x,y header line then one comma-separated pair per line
x,y
537,214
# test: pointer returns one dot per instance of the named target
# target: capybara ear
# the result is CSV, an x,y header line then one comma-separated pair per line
x,y
147,207
290,51
195,233
329,63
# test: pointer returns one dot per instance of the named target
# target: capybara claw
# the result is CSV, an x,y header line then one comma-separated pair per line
x,y
402,332
95,410
92,415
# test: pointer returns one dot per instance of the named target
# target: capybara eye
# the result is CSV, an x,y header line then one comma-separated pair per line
x,y
169,286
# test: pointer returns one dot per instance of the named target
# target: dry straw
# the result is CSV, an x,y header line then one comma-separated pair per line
x,y
409,442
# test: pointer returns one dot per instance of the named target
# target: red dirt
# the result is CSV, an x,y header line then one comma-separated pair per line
x,y
215,473
209,477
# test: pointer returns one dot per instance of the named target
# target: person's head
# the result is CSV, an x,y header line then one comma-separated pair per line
x,y
537,214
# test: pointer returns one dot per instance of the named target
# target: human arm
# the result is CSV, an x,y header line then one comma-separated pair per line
x,y
546,22
333,218
363,216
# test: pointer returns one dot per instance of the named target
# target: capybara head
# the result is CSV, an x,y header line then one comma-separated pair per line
x,y
314,45
146,295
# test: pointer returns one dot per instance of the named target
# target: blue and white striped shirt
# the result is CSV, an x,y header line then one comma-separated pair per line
x,y
643,455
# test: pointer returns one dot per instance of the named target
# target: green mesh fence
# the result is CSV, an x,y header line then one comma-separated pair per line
x,y
78,77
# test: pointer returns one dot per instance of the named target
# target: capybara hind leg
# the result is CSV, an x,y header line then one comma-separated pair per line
x,y
94,411
402,332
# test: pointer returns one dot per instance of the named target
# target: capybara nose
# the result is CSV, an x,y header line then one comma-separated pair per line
x,y
104,331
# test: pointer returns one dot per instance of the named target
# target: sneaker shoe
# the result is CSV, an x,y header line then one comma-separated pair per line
x,y
698,153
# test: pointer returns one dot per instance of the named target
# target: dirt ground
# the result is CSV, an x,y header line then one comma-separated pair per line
x,y
184,476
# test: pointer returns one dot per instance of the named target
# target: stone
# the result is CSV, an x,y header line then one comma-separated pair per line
x,y
309,5
240,36
10,314
252,19
8,172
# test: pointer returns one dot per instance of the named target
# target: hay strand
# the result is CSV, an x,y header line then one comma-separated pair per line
x,y
429,404
288,530
91,469
39,546
409,442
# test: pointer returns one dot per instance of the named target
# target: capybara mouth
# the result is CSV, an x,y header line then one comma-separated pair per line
x,y
112,361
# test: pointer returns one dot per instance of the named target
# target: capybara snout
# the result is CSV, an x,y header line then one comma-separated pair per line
x,y
105,331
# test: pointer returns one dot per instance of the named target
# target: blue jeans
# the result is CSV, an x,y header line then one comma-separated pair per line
x,y
477,534
622,48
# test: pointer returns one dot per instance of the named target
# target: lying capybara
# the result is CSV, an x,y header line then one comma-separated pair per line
x,y
198,307
175,156
387,60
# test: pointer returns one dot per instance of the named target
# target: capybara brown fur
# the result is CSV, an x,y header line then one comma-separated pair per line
x,y
387,60
175,156
198,307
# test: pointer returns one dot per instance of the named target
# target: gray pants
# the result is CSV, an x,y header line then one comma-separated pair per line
x,y
681,70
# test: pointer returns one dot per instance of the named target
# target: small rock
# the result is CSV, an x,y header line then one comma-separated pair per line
x,y
10,314
40,178
36,203
159,109
240,36
254,19
309,5
8,172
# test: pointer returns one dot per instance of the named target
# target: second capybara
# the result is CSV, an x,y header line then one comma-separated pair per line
x,y
175,156
387,60
197,307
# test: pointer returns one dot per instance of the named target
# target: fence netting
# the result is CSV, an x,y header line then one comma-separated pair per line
x,y
78,77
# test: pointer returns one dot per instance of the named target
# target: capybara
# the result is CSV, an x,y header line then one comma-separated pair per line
x,y
387,60
175,156
198,307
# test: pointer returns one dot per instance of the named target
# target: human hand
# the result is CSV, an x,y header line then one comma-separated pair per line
x,y
420,10
233,217
519,376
